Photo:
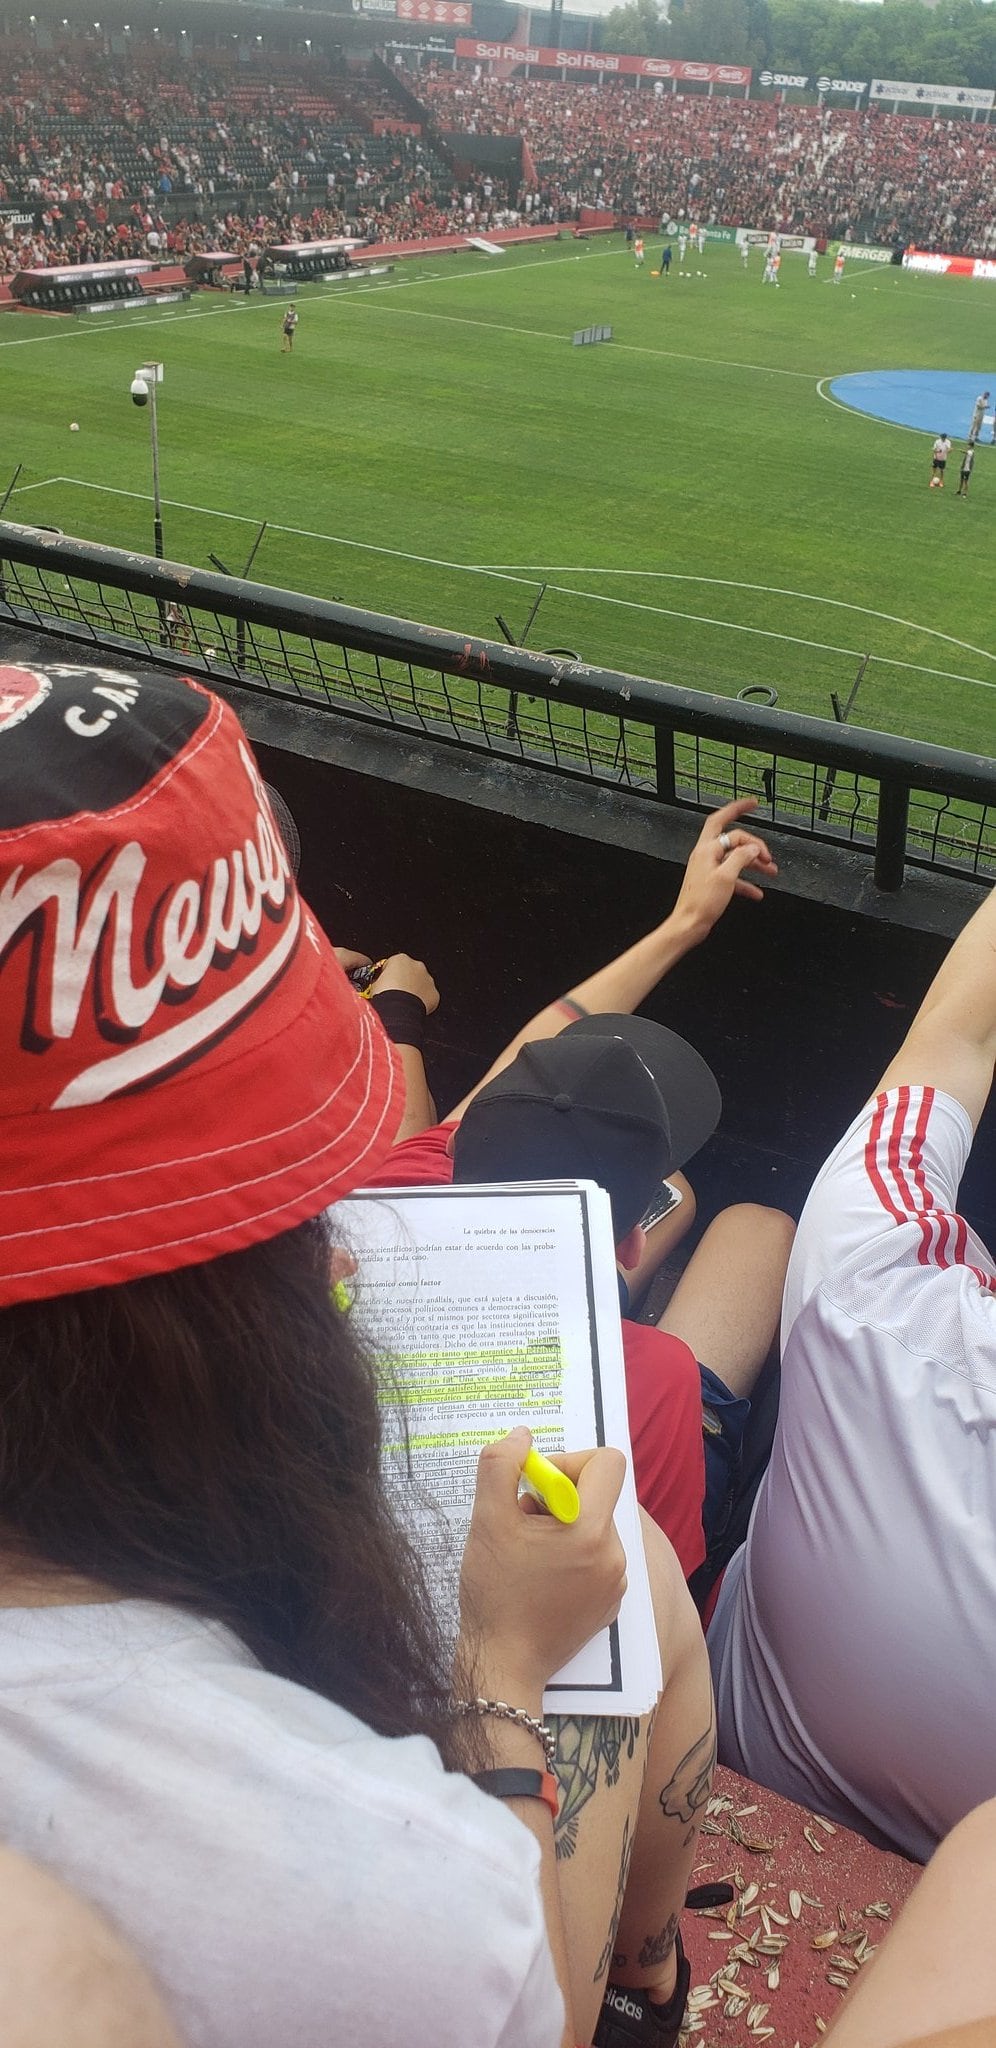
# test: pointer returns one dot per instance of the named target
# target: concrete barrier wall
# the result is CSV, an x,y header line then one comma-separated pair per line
x,y
798,1004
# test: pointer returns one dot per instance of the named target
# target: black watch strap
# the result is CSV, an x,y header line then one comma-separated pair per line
x,y
519,1784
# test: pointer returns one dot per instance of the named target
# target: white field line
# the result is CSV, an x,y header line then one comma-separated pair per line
x,y
265,303
351,296
298,532
530,581
854,412
46,480
729,583
631,348
765,633
852,276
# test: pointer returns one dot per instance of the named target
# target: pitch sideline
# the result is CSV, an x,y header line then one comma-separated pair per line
x,y
561,589
763,589
897,426
264,302
366,292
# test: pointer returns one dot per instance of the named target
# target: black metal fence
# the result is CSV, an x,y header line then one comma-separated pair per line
x,y
898,802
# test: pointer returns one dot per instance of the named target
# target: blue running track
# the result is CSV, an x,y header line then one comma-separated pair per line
x,y
936,401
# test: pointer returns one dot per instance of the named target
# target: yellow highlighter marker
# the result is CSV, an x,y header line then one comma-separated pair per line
x,y
548,1484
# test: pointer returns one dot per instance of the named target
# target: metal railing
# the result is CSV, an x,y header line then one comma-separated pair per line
x,y
897,802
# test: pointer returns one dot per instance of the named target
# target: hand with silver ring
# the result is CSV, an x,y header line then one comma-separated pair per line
x,y
727,860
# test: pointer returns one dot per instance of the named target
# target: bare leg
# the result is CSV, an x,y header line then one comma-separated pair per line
x,y
937,1969
632,1795
65,1976
727,1303
420,1110
660,1241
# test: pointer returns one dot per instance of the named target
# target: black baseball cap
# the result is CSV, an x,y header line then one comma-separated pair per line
x,y
615,1099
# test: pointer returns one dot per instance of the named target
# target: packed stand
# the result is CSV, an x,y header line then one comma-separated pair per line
x,y
826,171
157,156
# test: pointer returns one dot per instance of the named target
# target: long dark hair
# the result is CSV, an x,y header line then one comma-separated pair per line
x,y
210,1438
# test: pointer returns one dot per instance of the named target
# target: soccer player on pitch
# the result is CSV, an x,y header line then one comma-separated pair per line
x,y
965,473
938,461
289,324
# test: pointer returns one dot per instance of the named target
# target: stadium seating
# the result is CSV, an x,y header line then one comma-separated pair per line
x,y
822,170
158,156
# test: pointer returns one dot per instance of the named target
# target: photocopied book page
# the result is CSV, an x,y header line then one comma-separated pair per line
x,y
487,1307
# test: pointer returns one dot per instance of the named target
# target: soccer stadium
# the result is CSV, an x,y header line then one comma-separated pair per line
x,y
498,1010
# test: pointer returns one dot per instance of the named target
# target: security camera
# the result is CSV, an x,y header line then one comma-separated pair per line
x,y
139,390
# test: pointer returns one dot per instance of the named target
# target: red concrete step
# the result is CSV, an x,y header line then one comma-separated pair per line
x,y
770,1849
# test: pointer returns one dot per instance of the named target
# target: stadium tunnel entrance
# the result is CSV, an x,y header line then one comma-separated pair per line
x,y
932,401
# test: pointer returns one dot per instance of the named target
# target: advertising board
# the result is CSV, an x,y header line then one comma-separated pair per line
x,y
593,61
938,265
968,97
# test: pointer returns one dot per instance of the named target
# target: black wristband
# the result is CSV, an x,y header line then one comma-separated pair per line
x,y
403,1015
520,1784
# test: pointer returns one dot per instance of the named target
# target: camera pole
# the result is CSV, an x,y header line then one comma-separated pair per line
x,y
157,509
144,386
154,377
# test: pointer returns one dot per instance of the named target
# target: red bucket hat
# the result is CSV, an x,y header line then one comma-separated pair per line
x,y
184,1067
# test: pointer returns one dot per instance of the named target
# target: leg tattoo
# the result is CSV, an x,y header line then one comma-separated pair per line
x,y
657,1947
629,1836
587,1747
686,1792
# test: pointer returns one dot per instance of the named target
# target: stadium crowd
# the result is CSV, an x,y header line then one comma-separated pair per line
x,y
156,156
143,231
827,171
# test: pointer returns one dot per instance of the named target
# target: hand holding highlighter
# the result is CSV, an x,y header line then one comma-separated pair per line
x,y
551,1487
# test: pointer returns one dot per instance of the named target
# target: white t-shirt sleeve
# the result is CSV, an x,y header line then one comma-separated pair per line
x,y
289,1876
891,1183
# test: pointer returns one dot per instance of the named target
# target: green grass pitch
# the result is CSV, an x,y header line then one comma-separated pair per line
x,y
436,448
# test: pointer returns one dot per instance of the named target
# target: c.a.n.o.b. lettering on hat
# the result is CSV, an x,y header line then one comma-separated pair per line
x,y
184,1068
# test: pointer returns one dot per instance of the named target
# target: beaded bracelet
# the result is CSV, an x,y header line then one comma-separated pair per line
x,y
503,1712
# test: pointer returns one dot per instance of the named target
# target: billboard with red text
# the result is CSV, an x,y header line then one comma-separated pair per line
x,y
593,61
938,265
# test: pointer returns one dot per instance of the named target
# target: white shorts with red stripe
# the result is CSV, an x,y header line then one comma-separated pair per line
x,y
854,1643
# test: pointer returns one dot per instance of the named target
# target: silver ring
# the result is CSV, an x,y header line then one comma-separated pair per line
x,y
725,841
